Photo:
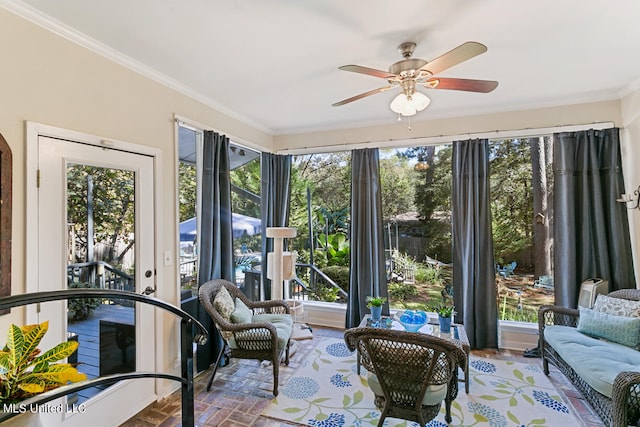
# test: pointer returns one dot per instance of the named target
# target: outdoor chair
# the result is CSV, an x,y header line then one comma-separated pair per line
x,y
544,282
250,329
409,373
507,270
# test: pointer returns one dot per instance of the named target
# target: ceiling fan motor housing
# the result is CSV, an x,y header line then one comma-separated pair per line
x,y
410,68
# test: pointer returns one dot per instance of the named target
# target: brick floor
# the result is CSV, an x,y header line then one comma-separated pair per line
x,y
242,390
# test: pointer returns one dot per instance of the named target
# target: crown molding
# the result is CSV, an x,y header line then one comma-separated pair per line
x,y
47,22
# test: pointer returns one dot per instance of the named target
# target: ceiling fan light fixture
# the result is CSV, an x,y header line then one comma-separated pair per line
x,y
409,105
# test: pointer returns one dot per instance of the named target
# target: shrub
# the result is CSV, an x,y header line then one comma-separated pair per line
x,y
321,292
82,308
339,274
401,291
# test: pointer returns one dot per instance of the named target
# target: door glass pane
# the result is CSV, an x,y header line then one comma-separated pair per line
x,y
101,254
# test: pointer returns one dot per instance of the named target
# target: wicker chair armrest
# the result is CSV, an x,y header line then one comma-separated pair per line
x,y
555,315
626,397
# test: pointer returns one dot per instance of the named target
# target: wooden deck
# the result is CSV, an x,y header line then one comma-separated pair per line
x,y
88,332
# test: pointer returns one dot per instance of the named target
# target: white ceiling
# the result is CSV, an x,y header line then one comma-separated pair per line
x,y
274,63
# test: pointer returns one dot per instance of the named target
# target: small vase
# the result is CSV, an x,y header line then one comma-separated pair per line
x,y
376,313
445,324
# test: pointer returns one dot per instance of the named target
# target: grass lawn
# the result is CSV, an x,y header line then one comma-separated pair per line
x,y
517,298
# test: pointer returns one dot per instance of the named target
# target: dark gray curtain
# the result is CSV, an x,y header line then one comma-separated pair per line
x,y
215,260
591,231
474,286
275,196
367,273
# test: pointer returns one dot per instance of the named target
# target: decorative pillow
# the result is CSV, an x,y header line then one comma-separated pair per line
x,y
621,329
224,303
617,306
242,313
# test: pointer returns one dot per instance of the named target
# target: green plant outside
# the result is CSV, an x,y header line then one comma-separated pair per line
x,y
339,274
82,308
336,248
399,292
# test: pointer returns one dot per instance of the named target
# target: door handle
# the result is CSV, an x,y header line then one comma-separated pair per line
x,y
148,290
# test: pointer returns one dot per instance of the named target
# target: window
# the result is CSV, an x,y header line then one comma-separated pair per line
x,y
416,197
245,205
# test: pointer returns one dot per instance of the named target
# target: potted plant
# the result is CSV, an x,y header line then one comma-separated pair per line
x,y
375,305
21,353
445,315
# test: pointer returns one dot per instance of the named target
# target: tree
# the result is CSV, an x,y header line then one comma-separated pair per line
x,y
326,179
245,183
541,240
511,196
187,190
329,176
398,186
113,210
432,172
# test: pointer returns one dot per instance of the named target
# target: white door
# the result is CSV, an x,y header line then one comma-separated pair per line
x,y
119,214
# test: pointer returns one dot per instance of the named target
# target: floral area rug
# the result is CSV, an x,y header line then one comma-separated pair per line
x,y
327,391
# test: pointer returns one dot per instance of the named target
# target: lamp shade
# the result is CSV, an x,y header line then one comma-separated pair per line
x,y
409,105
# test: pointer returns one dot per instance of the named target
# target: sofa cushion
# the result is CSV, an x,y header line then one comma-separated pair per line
x,y
617,306
620,329
242,313
596,361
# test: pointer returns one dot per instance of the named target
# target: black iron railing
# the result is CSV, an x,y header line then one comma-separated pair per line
x,y
312,283
187,337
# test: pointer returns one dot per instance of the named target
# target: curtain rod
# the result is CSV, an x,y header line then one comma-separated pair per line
x,y
441,139
199,127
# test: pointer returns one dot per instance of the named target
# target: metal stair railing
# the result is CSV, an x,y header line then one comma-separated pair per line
x,y
187,337
301,290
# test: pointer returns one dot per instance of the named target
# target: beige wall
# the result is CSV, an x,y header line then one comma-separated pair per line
x,y
379,136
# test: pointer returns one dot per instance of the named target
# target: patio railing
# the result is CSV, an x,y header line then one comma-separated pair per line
x,y
101,275
312,284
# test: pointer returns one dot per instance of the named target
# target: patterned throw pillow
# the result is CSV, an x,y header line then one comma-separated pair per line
x,y
621,329
617,306
223,303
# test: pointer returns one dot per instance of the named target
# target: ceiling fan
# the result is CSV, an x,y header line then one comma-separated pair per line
x,y
410,72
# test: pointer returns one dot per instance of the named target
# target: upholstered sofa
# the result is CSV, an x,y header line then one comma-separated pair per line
x,y
597,349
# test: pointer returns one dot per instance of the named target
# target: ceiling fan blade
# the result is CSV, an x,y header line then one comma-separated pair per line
x,y
469,85
369,71
362,95
455,56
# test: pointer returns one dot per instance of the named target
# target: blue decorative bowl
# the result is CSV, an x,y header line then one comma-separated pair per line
x,y
413,320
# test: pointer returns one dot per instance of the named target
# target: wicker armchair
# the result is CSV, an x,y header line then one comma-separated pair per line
x,y
620,409
410,373
265,337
